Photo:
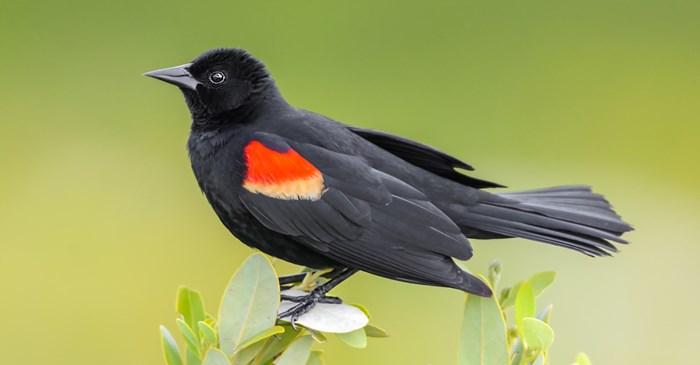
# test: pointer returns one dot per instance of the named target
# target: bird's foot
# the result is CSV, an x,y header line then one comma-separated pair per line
x,y
306,302
303,298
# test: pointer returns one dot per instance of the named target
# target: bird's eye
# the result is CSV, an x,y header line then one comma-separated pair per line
x,y
217,77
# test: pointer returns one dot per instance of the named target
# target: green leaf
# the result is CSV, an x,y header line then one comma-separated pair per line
x,y
374,331
316,358
207,333
262,336
276,344
318,336
190,337
538,335
246,355
524,305
356,338
170,350
503,296
215,357
539,360
190,305
363,309
545,314
541,281
297,353
249,305
192,358
311,280
517,348
483,336
517,352
511,295
582,359
326,317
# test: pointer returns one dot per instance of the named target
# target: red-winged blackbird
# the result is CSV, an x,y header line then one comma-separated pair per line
x,y
315,192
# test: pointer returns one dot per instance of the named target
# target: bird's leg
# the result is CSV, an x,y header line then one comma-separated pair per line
x,y
306,280
292,279
318,295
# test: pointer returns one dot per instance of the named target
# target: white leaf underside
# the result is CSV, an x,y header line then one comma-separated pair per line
x,y
325,317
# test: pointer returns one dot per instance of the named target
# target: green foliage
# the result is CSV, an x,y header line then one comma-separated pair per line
x,y
246,309
247,331
524,305
216,357
537,334
297,353
191,306
315,358
207,334
487,337
484,339
374,331
170,350
541,281
356,338
582,359
262,336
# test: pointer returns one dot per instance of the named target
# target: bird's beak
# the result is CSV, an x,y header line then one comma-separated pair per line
x,y
178,76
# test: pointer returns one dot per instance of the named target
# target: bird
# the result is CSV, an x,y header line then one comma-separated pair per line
x,y
313,191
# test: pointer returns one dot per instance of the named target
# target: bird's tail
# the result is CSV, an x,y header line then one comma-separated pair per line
x,y
568,216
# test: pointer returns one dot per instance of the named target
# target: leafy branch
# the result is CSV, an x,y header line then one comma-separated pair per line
x,y
247,331
502,330
492,334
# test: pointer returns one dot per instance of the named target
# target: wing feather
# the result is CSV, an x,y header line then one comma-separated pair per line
x,y
366,219
424,156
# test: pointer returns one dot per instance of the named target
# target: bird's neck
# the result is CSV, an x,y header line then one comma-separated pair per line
x,y
262,102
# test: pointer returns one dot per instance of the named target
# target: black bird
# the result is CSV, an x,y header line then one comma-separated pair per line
x,y
315,192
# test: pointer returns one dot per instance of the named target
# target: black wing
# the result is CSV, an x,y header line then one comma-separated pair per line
x,y
425,157
368,220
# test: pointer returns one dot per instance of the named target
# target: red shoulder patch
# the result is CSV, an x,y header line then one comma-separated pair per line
x,y
282,175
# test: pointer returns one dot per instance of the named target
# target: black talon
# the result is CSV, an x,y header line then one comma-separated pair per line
x,y
330,300
302,298
291,298
297,311
318,295
307,302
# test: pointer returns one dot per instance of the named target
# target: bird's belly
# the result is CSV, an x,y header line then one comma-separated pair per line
x,y
252,233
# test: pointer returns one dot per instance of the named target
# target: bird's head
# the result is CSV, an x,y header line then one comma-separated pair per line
x,y
220,83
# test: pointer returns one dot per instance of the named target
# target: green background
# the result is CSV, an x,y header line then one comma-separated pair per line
x,y
101,219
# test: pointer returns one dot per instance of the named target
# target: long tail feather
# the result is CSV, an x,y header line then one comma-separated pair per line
x,y
568,216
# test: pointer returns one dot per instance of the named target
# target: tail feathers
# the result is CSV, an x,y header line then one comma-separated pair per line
x,y
568,216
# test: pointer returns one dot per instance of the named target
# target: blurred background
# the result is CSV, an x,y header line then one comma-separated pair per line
x,y
101,218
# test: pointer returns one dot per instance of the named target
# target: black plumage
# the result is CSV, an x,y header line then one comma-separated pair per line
x,y
379,203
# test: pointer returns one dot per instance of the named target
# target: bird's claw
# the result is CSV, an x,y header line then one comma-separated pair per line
x,y
306,303
300,299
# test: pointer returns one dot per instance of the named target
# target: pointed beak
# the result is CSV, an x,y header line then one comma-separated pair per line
x,y
178,76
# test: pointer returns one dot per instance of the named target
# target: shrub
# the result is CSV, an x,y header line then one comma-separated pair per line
x,y
247,331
